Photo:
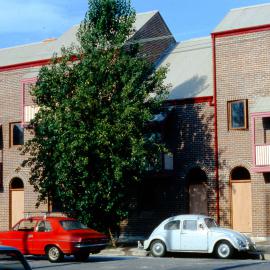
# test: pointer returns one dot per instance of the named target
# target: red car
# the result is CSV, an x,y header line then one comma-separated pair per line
x,y
54,237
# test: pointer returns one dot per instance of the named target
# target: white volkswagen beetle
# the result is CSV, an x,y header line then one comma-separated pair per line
x,y
196,233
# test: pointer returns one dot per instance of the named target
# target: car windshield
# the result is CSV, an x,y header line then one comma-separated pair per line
x,y
72,225
10,260
210,223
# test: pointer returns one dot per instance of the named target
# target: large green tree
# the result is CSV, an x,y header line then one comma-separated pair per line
x,y
91,140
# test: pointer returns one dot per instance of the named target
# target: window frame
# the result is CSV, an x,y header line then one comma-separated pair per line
x,y
172,225
11,137
229,114
187,229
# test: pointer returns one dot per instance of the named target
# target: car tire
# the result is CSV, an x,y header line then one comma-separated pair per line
x,y
224,250
54,254
81,256
158,249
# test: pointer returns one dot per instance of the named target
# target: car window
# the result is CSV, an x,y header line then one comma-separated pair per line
x,y
190,225
210,223
10,260
72,225
172,225
26,225
44,226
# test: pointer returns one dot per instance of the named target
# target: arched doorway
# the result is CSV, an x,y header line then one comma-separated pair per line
x,y
16,200
241,200
197,191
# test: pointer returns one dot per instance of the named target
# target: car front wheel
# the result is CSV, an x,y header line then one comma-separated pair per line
x,y
224,250
54,254
158,248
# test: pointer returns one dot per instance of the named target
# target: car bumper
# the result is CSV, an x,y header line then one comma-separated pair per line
x,y
249,248
90,247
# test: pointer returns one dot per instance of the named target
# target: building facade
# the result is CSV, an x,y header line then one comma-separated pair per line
x,y
19,67
215,124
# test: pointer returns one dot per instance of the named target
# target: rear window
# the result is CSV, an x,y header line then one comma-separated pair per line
x,y
72,225
172,225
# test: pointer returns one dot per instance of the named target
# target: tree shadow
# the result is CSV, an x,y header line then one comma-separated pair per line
x,y
189,134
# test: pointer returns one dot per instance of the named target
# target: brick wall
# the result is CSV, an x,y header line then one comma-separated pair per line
x,y
10,112
154,38
242,69
189,135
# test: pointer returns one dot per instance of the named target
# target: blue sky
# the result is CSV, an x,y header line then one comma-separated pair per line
x,y
27,21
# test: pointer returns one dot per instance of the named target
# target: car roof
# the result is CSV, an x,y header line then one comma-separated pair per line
x,y
187,216
50,218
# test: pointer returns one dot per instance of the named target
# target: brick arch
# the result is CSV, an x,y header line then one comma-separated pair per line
x,y
22,176
197,165
239,163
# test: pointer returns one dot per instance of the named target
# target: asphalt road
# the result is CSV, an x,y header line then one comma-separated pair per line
x,y
149,263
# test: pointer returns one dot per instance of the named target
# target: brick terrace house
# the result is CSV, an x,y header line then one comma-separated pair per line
x,y
219,131
215,123
241,44
19,68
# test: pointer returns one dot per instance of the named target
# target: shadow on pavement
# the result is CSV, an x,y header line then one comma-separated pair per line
x,y
239,256
71,259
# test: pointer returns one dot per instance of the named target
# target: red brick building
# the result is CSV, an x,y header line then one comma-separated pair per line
x,y
215,124
241,44
19,68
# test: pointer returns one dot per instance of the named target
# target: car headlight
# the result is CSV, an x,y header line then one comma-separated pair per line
x,y
240,242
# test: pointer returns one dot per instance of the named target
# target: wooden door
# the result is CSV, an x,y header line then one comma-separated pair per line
x,y
241,206
17,205
198,199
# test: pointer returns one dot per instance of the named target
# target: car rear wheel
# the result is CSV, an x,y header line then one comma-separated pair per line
x,y
81,256
158,248
54,254
224,250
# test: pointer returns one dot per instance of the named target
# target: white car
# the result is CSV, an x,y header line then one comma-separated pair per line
x,y
196,233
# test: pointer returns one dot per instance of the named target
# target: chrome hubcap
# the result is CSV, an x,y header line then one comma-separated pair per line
x,y
158,248
223,250
54,253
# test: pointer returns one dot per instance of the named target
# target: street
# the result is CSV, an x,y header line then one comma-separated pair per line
x,y
149,263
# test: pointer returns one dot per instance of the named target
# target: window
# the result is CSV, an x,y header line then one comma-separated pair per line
x,y
237,114
72,225
172,225
44,226
190,225
26,225
16,134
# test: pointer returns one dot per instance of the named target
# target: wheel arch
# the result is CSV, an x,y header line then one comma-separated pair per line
x,y
155,239
217,241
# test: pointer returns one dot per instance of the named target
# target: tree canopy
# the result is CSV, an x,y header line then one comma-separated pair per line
x,y
91,140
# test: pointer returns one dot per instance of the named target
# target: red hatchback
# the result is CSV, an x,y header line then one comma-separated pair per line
x,y
54,237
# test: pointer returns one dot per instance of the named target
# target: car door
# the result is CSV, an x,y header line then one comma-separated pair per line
x,y
18,236
172,235
193,237
40,237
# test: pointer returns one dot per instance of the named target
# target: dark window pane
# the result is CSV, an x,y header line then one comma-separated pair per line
x,y
18,134
240,173
238,114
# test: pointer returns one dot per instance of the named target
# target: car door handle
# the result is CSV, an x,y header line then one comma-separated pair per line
x,y
30,235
